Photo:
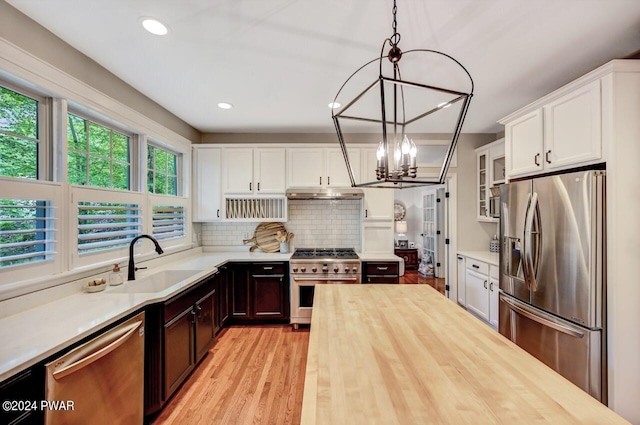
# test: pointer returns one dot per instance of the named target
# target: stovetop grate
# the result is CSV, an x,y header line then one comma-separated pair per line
x,y
320,253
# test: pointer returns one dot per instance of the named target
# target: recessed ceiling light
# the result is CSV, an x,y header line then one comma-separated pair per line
x,y
334,105
154,26
225,105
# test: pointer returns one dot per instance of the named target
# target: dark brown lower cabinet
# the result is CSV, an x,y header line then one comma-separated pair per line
x,y
26,386
187,324
380,272
259,293
223,297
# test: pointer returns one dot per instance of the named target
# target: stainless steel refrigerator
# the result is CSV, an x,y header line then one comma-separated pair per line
x,y
553,274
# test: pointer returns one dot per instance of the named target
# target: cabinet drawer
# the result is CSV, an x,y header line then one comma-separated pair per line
x,y
178,304
382,279
382,268
477,266
268,268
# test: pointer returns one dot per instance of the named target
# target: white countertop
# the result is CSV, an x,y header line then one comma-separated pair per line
x,y
37,333
492,258
379,257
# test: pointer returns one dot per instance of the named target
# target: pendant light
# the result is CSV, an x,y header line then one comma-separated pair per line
x,y
394,111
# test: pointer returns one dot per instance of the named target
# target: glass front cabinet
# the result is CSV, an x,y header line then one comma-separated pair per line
x,y
490,175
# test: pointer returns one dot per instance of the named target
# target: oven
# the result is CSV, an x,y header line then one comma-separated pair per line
x,y
311,267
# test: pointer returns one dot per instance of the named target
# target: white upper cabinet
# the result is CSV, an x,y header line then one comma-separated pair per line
x,y
305,167
572,131
524,144
207,199
254,171
337,174
369,164
489,173
563,130
269,170
238,170
320,167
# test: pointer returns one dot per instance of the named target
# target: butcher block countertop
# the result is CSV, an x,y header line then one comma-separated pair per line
x,y
404,354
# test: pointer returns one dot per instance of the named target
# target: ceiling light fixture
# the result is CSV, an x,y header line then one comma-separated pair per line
x,y
392,106
225,105
154,26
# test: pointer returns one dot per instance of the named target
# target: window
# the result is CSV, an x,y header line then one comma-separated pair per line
x,y
168,222
19,134
104,226
26,231
162,171
97,155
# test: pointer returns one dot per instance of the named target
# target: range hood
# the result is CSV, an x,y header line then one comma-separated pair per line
x,y
323,194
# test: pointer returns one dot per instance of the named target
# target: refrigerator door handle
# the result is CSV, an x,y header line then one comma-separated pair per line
x,y
545,322
527,244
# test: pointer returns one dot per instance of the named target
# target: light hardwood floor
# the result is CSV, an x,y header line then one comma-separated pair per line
x,y
252,375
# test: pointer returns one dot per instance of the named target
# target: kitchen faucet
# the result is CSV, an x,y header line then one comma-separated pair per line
x,y
132,267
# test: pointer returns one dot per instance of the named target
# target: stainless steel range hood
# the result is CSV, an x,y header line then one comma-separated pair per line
x,y
323,194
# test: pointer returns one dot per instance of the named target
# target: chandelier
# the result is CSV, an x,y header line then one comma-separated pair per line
x,y
394,111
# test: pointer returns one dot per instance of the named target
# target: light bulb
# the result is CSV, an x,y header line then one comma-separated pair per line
x,y
380,151
397,154
405,145
413,150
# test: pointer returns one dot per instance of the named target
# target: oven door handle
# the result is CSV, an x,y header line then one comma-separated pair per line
x,y
325,279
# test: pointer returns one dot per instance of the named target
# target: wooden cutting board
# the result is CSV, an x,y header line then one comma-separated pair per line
x,y
264,237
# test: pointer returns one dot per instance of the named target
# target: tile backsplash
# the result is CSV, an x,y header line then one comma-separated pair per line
x,y
316,224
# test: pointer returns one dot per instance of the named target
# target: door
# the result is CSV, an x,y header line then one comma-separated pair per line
x,y
476,294
223,295
268,296
572,351
514,200
429,229
206,205
238,170
270,175
178,350
103,379
204,325
305,167
337,174
572,126
568,276
524,144
240,291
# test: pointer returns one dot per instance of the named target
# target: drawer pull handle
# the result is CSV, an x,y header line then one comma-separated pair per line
x,y
546,157
383,269
267,268
485,284
491,286
535,159
475,266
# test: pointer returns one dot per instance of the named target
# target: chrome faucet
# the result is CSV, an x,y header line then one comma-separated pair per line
x,y
132,267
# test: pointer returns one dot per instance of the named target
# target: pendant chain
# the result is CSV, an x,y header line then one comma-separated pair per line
x,y
395,38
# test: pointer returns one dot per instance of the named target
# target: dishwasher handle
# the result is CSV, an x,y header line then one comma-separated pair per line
x,y
97,348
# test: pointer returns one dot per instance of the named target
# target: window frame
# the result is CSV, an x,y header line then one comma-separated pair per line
x,y
179,167
43,141
89,119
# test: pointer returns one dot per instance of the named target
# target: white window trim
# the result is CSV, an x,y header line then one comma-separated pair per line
x,y
46,191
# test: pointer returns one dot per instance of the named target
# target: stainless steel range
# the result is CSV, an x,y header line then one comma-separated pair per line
x,y
311,267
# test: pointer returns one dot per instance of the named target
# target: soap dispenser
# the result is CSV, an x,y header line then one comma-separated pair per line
x,y
116,277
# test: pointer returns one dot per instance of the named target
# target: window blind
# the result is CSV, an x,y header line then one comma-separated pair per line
x,y
103,226
168,222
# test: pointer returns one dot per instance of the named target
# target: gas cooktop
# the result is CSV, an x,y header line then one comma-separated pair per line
x,y
324,254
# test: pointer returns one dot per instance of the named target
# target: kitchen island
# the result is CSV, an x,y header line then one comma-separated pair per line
x,y
395,354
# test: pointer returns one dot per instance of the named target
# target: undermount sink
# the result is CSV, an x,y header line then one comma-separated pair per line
x,y
155,282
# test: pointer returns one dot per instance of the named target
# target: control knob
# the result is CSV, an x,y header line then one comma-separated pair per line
x,y
335,269
295,269
325,269
314,269
355,270
303,269
346,269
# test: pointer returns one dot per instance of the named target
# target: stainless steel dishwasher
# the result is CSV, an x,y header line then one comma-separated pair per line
x,y
101,381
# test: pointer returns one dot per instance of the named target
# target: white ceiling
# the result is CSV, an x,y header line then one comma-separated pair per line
x,y
280,62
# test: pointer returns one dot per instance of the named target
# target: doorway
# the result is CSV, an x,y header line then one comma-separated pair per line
x,y
418,215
